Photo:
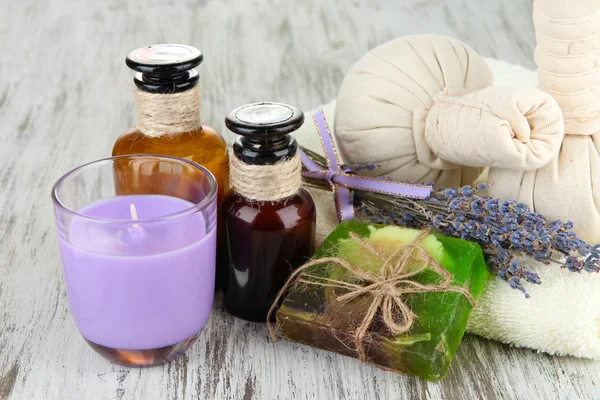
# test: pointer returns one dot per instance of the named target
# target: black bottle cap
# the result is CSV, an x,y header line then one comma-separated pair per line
x,y
165,68
263,120
265,129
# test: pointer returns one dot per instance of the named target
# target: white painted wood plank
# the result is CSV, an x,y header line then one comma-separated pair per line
x,y
64,98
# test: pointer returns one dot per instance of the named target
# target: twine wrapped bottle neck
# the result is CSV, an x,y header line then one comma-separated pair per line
x,y
168,114
266,182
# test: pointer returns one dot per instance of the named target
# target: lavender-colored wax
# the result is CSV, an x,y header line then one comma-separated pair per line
x,y
144,286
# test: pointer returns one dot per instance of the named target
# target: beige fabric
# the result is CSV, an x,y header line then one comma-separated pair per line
x,y
376,102
568,60
493,127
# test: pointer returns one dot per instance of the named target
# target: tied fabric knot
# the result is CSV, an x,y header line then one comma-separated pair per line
x,y
387,286
501,127
342,179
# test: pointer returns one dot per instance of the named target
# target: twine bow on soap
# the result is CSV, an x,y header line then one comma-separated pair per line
x,y
387,286
342,180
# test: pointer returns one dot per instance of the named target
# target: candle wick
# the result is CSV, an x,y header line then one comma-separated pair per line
x,y
134,215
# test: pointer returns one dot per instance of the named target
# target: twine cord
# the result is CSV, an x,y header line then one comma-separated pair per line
x,y
266,182
167,114
388,286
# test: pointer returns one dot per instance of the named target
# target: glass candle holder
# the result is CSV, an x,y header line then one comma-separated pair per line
x,y
139,268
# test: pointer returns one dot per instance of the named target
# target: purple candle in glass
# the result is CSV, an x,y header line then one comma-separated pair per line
x,y
137,236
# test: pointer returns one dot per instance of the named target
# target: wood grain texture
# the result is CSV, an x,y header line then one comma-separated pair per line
x,y
64,98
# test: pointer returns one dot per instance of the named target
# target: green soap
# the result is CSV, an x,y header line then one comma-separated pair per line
x,y
311,315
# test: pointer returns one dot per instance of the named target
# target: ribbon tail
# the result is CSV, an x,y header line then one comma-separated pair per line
x,y
383,186
344,204
309,164
326,140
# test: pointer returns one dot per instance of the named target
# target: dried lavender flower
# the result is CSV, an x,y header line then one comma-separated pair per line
x,y
498,226
359,167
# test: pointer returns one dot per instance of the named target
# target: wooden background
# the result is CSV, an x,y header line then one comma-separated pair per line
x,y
64,99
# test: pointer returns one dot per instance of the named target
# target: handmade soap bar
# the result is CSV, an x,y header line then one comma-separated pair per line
x,y
392,296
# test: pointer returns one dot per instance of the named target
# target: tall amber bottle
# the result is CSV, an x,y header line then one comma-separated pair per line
x,y
168,123
269,218
168,105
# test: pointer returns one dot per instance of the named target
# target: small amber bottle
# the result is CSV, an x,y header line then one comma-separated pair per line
x,y
168,105
269,218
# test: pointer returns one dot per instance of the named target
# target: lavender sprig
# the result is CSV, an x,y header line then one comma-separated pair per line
x,y
498,226
359,167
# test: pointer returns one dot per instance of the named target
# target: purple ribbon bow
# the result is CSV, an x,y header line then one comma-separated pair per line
x,y
342,180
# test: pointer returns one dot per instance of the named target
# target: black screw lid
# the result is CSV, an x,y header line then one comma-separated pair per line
x,y
265,129
264,120
165,68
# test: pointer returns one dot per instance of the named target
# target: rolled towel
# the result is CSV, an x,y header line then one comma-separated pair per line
x,y
561,317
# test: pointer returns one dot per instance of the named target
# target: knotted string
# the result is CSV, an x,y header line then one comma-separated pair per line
x,y
387,286
342,180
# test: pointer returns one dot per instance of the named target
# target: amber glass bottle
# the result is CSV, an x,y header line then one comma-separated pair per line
x,y
267,237
168,103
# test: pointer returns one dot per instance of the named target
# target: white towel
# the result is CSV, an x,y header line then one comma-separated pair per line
x,y
561,317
